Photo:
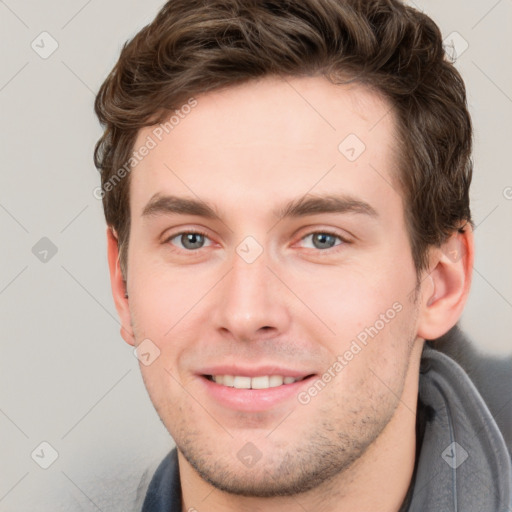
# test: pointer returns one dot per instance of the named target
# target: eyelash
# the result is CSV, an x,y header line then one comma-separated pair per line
x,y
188,232
343,240
330,250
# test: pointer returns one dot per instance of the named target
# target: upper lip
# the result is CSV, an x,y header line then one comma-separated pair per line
x,y
247,371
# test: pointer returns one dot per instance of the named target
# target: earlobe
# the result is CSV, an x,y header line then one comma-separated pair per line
x,y
118,286
446,287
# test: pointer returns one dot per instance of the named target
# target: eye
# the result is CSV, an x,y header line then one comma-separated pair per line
x,y
323,240
190,240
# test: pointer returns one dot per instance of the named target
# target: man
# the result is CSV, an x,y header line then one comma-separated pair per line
x,y
286,191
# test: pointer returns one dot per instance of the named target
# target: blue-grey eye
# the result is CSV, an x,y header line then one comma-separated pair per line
x,y
190,240
323,240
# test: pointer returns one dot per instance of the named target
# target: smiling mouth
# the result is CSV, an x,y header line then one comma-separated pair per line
x,y
259,382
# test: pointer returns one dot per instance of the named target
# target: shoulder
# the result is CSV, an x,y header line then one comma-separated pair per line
x,y
491,375
160,488
144,483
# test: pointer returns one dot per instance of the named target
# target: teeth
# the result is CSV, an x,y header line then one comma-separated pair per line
x,y
242,382
275,380
227,380
260,382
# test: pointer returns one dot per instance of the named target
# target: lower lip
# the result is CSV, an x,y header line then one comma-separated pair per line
x,y
253,400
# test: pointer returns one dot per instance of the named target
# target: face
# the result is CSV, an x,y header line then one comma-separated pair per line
x,y
269,267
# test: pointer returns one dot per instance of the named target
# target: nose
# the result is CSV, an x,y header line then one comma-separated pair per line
x,y
251,302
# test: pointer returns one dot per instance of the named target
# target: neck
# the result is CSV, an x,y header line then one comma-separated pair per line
x,y
378,480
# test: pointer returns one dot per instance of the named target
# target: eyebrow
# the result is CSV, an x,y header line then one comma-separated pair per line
x,y
168,205
325,204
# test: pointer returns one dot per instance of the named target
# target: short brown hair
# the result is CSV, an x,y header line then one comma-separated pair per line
x,y
196,46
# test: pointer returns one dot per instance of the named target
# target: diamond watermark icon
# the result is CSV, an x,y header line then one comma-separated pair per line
x,y
44,455
454,46
146,352
249,455
44,45
44,250
455,250
249,249
454,455
351,147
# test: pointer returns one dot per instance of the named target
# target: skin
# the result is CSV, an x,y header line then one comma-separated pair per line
x,y
247,151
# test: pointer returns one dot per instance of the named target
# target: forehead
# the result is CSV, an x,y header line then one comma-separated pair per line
x,y
280,136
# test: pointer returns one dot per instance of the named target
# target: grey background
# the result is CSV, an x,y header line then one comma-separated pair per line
x,y
66,376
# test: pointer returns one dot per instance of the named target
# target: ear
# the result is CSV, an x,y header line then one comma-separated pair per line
x,y
118,286
445,288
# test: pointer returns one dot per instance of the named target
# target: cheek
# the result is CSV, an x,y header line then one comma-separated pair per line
x,y
386,343
348,301
373,321
167,395
161,297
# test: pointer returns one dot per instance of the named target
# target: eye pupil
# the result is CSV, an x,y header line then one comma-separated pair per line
x,y
323,240
192,240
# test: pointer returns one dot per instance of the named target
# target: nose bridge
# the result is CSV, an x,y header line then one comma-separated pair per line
x,y
249,300
249,281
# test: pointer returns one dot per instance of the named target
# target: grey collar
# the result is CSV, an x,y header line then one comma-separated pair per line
x,y
463,463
